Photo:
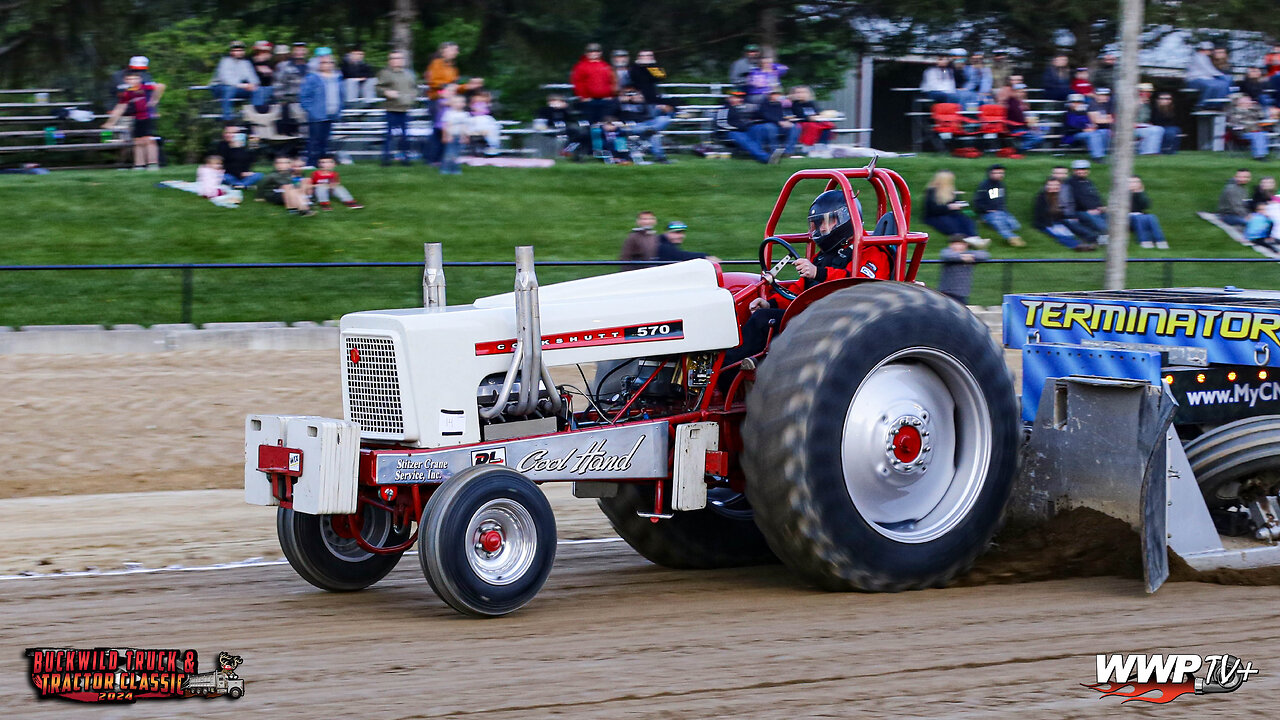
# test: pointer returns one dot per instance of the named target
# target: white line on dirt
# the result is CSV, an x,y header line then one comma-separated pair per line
x,y
219,566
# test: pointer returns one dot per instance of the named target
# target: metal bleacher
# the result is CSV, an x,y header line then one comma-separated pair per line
x,y
31,130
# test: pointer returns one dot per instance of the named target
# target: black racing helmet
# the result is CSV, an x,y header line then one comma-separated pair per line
x,y
827,207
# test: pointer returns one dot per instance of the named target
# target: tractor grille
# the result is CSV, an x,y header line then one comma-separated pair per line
x,y
373,386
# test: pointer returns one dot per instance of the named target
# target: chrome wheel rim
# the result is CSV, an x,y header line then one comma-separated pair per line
x,y
375,529
916,445
501,541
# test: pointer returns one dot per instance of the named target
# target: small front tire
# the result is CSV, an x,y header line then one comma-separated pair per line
x,y
326,559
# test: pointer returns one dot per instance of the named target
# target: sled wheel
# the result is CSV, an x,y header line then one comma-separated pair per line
x,y
1235,460
724,534
881,439
235,693
487,541
319,552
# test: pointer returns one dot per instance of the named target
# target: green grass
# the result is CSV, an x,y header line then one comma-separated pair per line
x,y
570,212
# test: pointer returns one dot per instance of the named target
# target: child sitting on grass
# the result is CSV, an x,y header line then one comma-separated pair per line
x,y
209,178
325,181
482,123
278,188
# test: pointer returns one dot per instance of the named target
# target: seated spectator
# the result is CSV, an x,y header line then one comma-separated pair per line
x,y
325,182
764,79
1255,86
1232,203
956,278
939,81
1001,72
1145,226
278,188
778,123
1052,212
322,97
978,84
1080,84
642,242
595,85
641,119
209,178
1024,126
264,66
990,202
557,118
1098,137
1272,61
1248,122
235,78
737,120
482,123
1056,80
1165,116
742,67
237,157
1262,226
1105,75
1150,135
361,79
670,245
609,142
1204,76
1075,121
455,123
1090,211
1262,193
813,129
287,83
944,212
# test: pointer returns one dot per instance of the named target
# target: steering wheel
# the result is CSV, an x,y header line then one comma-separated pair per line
x,y
770,274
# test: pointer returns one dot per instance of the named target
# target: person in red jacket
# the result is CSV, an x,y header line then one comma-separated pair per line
x,y
594,83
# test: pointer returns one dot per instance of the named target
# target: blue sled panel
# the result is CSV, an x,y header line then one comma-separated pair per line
x,y
1046,360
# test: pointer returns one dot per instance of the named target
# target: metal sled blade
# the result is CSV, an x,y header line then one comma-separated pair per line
x,y
1099,443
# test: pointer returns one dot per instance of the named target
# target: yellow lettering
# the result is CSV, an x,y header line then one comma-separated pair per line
x,y
1234,325
1077,314
1146,314
1210,317
1265,325
1108,317
1181,319
1049,316
1031,306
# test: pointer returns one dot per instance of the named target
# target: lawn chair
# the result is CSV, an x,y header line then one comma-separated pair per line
x,y
951,131
994,130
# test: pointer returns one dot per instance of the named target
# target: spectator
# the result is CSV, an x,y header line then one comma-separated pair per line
x,y
939,81
1105,75
1150,135
1248,122
139,64
1232,205
1057,78
1098,137
288,83
1001,71
1272,61
209,178
778,124
609,143
1222,61
1080,84
1089,208
645,74
1262,193
961,75
1165,116
945,212
737,120
321,52
1255,86
322,98
642,242
814,130
990,202
1263,225
594,84
1024,126
764,79
978,79
670,245
482,124
361,80
641,120
455,124
1052,212
1075,121
398,85
620,60
1204,76
956,279
441,70
325,182
1145,226
742,67
140,99
265,69
278,188
557,118
235,78
237,158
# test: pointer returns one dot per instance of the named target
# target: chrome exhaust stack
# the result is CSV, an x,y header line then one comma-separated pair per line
x,y
433,290
527,359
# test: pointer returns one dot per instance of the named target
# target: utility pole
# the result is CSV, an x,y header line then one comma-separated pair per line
x,y
402,16
1125,97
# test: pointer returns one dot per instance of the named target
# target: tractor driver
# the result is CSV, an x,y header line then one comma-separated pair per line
x,y
831,228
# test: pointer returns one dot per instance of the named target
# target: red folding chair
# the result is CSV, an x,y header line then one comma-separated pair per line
x,y
951,130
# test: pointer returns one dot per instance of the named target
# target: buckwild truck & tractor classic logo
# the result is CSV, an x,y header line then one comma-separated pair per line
x,y
125,675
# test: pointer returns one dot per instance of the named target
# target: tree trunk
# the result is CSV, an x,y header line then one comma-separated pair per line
x,y
402,16
1125,97
769,28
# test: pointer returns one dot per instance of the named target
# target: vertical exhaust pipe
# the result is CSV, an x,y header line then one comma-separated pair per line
x,y
433,295
527,359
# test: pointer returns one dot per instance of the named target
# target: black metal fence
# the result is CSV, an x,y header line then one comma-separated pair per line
x,y
206,292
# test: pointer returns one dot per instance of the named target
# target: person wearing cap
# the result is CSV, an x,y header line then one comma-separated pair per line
x,y
287,83
360,77
670,245
1090,211
1075,121
235,78
595,84
1056,80
137,64
990,201
738,121
1098,137
1248,121
1204,76
140,100
1052,211
322,97
741,68
939,81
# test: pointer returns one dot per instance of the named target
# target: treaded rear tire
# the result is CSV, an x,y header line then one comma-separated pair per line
x,y
1237,451
692,539
794,434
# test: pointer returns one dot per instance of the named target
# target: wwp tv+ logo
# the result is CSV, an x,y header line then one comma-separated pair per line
x,y
1163,678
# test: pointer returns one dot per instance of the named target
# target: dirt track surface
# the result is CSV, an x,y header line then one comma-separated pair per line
x,y
612,636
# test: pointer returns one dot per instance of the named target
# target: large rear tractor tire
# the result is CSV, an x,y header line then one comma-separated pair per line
x,y
323,557
881,440
1241,458
722,535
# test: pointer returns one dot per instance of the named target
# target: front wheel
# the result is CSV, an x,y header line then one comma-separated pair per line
x,y
881,439
325,554
487,541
